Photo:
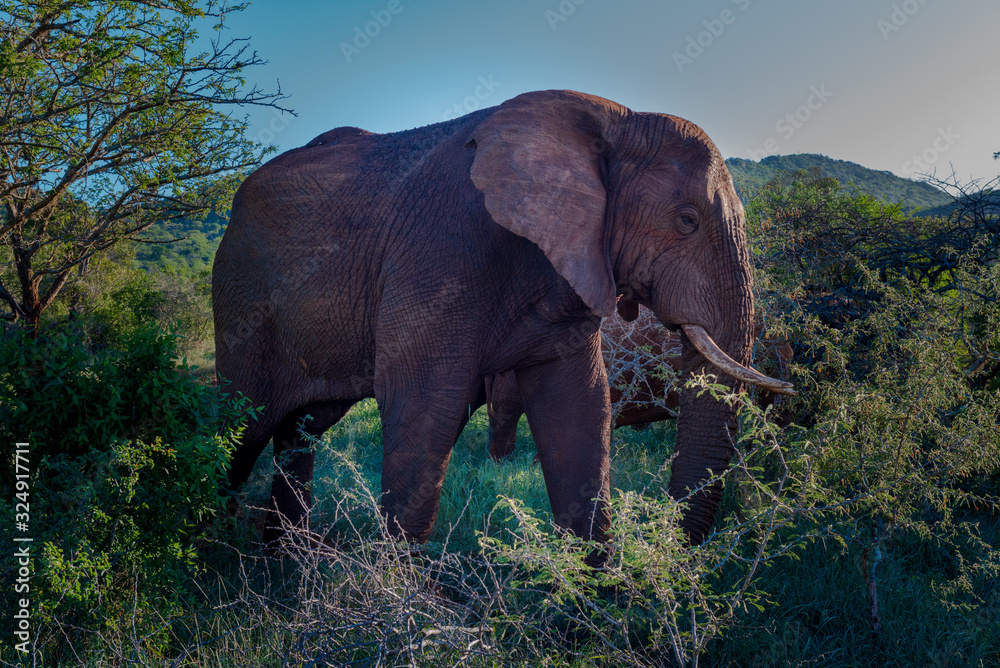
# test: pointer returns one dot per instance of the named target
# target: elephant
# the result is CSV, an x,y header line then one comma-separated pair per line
x,y
640,393
410,266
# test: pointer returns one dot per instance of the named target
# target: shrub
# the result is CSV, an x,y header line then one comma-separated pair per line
x,y
187,305
896,360
127,452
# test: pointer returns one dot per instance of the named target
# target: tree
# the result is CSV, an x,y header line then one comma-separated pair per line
x,y
110,121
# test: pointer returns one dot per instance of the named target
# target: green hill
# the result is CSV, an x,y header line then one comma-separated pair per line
x,y
194,250
914,195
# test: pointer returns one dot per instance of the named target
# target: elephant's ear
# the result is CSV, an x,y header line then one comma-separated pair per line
x,y
538,164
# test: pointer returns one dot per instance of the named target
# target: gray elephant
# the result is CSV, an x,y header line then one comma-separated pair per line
x,y
410,266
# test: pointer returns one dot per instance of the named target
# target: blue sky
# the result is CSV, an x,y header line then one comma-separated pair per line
x,y
907,86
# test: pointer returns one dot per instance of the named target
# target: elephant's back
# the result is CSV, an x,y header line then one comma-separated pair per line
x,y
315,235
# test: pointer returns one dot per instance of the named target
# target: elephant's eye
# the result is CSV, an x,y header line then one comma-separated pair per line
x,y
688,223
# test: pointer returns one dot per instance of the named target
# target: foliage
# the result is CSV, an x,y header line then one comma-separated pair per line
x,y
898,353
127,452
187,303
975,202
110,121
181,245
882,186
108,299
826,259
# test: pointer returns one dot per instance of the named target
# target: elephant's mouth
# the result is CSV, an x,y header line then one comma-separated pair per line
x,y
706,346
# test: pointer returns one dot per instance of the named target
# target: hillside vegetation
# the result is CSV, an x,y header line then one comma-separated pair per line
x,y
883,186
182,245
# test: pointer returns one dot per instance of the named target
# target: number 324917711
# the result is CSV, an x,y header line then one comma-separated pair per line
x,y
22,508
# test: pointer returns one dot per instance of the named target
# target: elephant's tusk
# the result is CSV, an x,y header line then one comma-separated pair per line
x,y
707,347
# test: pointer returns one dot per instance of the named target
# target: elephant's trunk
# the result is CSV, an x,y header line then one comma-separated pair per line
x,y
706,434
707,427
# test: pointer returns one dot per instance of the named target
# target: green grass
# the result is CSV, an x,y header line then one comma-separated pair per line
x,y
820,613
474,482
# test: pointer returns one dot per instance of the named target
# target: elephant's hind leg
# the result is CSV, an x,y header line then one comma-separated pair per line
x,y
504,407
419,430
291,488
248,449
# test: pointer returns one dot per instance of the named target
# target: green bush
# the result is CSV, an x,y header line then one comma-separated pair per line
x,y
107,298
896,360
127,452
187,305
111,298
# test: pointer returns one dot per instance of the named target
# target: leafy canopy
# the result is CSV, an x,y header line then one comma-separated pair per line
x,y
111,119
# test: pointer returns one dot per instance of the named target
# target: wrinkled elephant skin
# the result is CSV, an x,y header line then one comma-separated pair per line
x,y
411,266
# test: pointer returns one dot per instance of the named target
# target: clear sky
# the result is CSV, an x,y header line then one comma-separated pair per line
x,y
907,86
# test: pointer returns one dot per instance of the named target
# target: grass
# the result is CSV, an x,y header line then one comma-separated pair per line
x,y
820,614
474,482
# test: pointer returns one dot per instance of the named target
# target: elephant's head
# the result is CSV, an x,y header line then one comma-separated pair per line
x,y
639,205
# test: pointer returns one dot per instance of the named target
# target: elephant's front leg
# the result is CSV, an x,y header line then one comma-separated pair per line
x,y
421,420
567,405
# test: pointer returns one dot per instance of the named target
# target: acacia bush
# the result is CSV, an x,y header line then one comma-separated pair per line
x,y
896,357
829,261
